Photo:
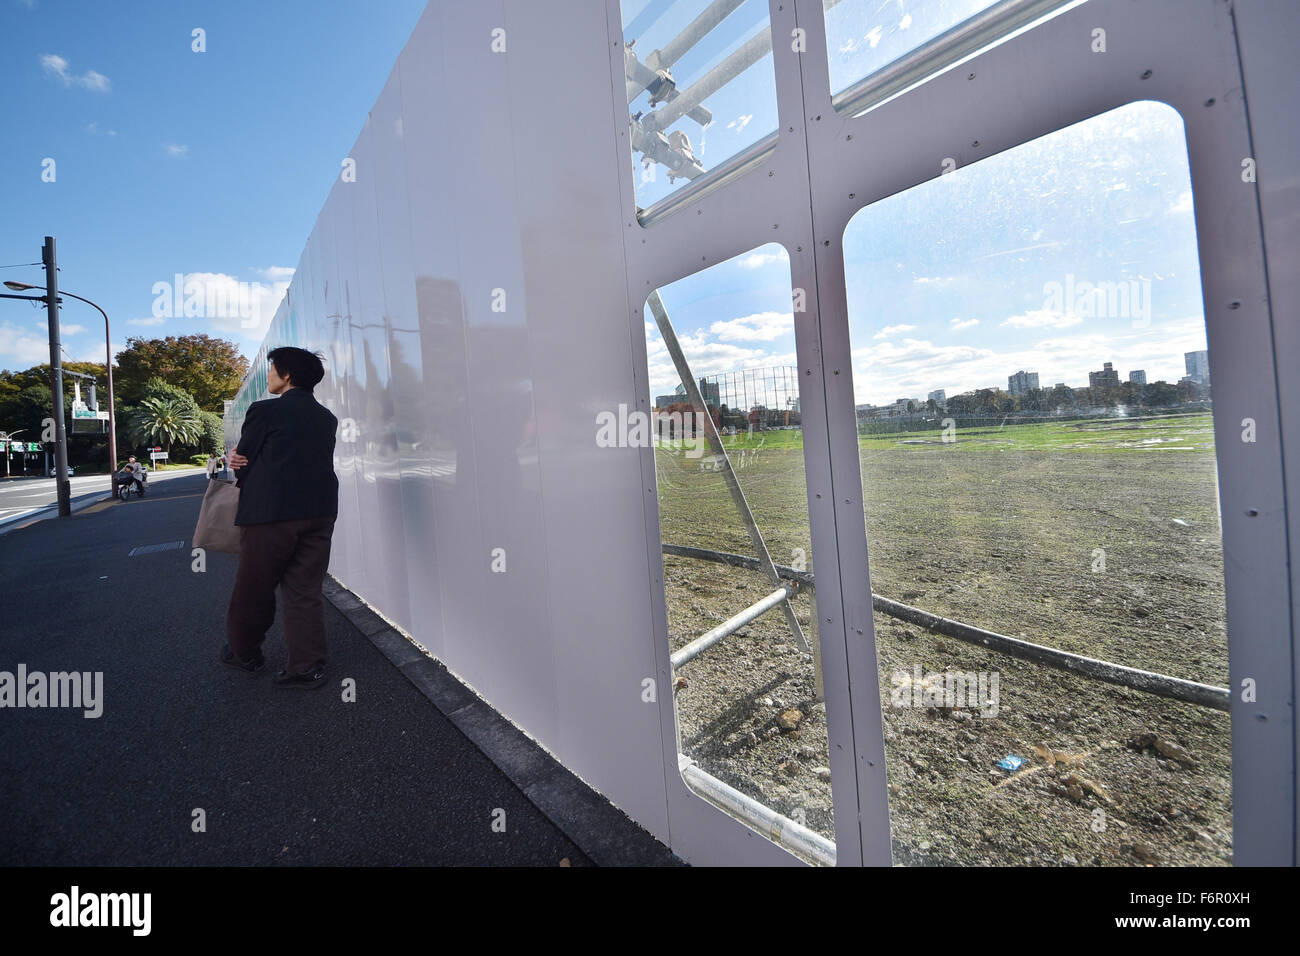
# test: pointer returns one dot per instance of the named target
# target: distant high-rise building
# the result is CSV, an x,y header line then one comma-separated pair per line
x,y
939,397
709,391
1106,378
1198,366
1138,376
1022,382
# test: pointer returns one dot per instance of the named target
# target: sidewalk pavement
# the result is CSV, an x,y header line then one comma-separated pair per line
x,y
405,775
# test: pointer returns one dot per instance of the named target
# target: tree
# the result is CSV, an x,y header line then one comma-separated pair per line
x,y
28,410
13,382
213,439
209,369
157,388
167,420
1061,397
1161,394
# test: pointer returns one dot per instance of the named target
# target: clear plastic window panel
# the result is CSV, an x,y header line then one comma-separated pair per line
x,y
865,36
728,440
700,87
1034,410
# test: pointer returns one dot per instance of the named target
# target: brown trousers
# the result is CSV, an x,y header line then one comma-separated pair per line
x,y
295,556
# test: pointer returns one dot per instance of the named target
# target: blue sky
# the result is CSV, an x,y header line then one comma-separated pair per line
x,y
862,36
744,111
169,161
215,164
963,280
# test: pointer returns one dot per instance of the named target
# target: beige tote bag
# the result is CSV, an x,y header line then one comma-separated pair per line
x,y
216,530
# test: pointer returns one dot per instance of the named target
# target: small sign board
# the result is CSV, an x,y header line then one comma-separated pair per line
x,y
156,456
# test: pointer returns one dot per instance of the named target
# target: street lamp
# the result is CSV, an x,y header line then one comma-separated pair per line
x,y
108,358
51,298
7,438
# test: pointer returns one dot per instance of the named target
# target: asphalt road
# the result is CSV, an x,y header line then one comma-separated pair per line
x,y
20,497
282,776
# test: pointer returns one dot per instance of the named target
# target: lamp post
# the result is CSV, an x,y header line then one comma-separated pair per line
x,y
8,440
108,360
51,297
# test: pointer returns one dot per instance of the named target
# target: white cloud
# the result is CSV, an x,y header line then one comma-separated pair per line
x,y
1042,318
20,349
94,81
94,130
889,330
175,149
152,320
277,273
53,63
740,122
66,329
756,260
873,37
708,357
958,324
932,280
906,22
1183,203
57,66
890,370
227,302
94,352
760,327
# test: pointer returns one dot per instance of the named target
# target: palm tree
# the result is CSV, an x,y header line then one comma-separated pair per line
x,y
166,420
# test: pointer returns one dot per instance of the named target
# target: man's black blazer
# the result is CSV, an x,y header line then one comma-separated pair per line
x,y
289,444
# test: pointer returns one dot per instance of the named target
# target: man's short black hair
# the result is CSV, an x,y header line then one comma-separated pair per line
x,y
303,369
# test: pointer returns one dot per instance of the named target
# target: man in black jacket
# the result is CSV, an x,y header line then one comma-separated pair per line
x,y
288,502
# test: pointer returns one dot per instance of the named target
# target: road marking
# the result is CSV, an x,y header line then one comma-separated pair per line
x,y
155,548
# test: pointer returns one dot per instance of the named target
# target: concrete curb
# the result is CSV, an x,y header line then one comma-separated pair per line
x,y
601,830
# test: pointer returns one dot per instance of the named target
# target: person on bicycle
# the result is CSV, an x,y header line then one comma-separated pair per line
x,y
136,472
122,480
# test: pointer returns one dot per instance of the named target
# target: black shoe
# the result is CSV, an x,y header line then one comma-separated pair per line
x,y
253,665
311,678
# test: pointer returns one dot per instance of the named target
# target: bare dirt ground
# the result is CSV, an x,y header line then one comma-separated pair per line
x,y
1112,554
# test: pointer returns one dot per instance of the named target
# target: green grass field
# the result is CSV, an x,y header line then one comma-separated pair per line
x,y
1160,433
1088,536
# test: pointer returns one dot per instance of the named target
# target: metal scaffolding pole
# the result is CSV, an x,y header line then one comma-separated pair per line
x,y
794,836
728,473
730,626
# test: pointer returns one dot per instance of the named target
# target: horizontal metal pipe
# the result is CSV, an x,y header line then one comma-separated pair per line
x,y
694,32
719,175
798,839
640,77
749,53
804,578
702,643
942,52
1162,685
